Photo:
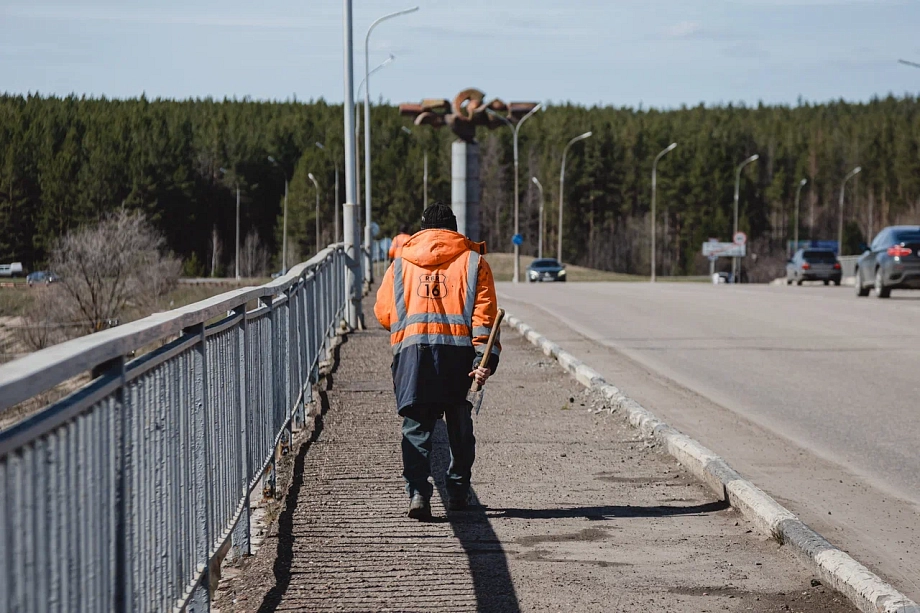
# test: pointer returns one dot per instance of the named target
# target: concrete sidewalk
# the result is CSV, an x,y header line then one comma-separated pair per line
x,y
575,513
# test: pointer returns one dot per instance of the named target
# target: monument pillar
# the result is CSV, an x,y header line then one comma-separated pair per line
x,y
468,111
464,191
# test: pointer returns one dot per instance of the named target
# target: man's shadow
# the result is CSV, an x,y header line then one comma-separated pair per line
x,y
487,559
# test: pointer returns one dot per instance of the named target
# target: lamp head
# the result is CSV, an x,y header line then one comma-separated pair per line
x,y
671,147
320,145
272,160
406,130
312,178
803,181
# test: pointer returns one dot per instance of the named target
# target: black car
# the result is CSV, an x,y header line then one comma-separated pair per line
x,y
813,265
891,262
545,269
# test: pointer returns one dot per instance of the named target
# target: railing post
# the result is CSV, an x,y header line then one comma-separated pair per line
x,y
200,601
268,478
123,587
240,539
291,370
314,330
300,416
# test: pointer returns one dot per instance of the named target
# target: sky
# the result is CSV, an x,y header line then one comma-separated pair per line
x,y
649,53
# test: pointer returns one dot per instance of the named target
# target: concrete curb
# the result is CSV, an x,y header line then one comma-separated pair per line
x,y
835,567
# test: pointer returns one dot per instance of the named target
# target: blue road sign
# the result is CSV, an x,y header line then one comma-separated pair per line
x,y
517,239
814,244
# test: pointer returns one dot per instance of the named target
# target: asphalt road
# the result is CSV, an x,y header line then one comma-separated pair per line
x,y
809,391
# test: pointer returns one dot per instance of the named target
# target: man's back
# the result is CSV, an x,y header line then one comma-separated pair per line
x,y
438,301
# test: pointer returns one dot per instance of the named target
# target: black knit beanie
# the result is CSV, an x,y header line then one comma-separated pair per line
x,y
439,216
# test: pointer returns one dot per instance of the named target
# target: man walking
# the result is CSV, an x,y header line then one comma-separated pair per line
x,y
438,302
398,242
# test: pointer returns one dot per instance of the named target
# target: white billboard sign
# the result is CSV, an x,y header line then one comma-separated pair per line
x,y
724,250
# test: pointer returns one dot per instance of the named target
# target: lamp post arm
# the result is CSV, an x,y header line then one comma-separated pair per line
x,y
369,271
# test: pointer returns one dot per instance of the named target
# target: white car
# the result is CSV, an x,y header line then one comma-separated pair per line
x,y
11,270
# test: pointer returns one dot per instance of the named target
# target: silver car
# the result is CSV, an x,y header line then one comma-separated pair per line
x,y
813,265
891,262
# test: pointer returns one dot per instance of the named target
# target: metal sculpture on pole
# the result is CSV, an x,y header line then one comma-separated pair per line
x,y
463,115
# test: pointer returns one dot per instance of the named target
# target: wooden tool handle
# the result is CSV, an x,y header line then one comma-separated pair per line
x,y
484,363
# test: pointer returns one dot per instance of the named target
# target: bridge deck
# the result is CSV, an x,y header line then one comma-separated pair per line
x,y
575,513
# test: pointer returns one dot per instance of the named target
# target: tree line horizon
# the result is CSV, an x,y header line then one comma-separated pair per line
x,y
66,162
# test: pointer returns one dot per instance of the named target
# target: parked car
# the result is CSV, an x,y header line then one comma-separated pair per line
x,y
545,269
813,265
891,262
41,276
11,270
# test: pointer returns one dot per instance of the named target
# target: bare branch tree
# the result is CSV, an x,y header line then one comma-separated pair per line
x,y
217,249
120,262
52,319
253,257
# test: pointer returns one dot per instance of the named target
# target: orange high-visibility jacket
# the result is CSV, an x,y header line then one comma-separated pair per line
x,y
438,302
396,246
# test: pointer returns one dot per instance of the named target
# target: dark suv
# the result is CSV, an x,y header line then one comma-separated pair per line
x,y
891,262
813,265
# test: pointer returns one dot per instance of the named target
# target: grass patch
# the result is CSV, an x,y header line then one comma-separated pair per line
x,y
14,301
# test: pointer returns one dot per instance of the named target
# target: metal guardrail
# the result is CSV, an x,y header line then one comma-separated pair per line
x,y
118,497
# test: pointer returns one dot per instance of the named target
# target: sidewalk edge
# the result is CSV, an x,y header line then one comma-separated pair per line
x,y
836,568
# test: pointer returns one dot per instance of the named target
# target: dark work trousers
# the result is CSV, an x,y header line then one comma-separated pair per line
x,y
418,425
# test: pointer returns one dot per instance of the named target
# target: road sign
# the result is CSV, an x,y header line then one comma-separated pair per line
x,y
724,250
822,245
740,238
517,239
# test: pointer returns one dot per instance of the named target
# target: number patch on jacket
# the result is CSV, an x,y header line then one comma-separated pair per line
x,y
432,286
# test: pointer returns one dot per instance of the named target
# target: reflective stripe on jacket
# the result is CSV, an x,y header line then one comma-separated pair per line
x,y
438,302
396,246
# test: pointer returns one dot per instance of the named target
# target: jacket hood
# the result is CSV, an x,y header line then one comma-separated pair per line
x,y
435,247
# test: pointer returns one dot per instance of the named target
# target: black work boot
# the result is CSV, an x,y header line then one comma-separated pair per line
x,y
419,507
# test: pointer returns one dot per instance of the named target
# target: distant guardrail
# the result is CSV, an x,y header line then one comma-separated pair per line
x,y
118,497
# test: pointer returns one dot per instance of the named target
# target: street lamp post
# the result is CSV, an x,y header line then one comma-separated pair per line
x,y
335,205
562,190
380,66
284,217
669,148
237,263
316,186
849,176
354,274
536,182
424,172
795,234
741,166
517,217
368,268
